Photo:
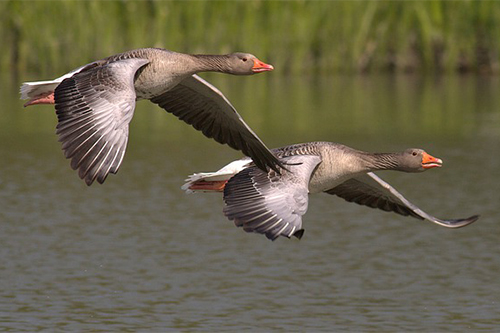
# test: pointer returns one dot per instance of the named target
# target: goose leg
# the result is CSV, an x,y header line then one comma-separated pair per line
x,y
45,98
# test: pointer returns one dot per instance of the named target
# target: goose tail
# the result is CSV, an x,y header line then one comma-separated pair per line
x,y
214,181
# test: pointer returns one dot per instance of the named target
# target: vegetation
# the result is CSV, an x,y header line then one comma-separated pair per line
x,y
48,37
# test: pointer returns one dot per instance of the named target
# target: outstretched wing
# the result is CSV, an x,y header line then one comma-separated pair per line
x,y
203,106
268,203
94,108
369,190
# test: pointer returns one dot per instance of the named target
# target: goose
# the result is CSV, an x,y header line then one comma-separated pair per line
x,y
272,204
95,104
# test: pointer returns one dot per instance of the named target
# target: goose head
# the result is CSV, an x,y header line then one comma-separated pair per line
x,y
417,160
246,64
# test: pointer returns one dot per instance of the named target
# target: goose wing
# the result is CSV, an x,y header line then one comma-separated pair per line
x,y
94,108
369,190
268,203
203,106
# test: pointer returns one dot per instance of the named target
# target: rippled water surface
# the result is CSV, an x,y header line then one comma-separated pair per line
x,y
138,254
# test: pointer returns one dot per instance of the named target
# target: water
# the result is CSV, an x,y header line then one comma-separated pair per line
x,y
137,254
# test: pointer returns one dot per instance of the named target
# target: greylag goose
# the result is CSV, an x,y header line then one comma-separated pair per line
x,y
273,204
95,104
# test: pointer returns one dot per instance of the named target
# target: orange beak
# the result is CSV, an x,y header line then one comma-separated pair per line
x,y
429,161
259,66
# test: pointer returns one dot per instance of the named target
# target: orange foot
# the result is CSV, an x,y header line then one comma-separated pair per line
x,y
204,185
45,98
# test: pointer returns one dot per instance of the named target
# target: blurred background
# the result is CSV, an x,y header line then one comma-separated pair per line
x,y
302,37
137,254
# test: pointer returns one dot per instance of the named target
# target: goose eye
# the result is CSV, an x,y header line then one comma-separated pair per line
x,y
414,153
244,59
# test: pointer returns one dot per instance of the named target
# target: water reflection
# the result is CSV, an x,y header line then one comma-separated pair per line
x,y
138,254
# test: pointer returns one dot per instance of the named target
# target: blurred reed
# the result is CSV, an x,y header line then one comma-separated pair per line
x,y
51,37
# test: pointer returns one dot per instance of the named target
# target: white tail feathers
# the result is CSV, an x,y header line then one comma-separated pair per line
x,y
205,182
33,89
214,181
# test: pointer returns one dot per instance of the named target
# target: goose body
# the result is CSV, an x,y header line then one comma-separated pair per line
x,y
273,204
95,104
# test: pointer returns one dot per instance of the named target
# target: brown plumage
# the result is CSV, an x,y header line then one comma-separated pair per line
x,y
95,104
273,204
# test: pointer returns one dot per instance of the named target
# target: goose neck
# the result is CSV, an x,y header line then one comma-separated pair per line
x,y
211,63
381,161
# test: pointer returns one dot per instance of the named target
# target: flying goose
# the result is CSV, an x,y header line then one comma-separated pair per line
x,y
272,204
95,104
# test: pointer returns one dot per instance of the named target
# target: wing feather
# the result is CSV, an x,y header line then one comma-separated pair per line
x,y
203,106
94,108
268,203
370,190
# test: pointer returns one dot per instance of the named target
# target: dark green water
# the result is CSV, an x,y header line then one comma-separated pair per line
x,y
137,254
